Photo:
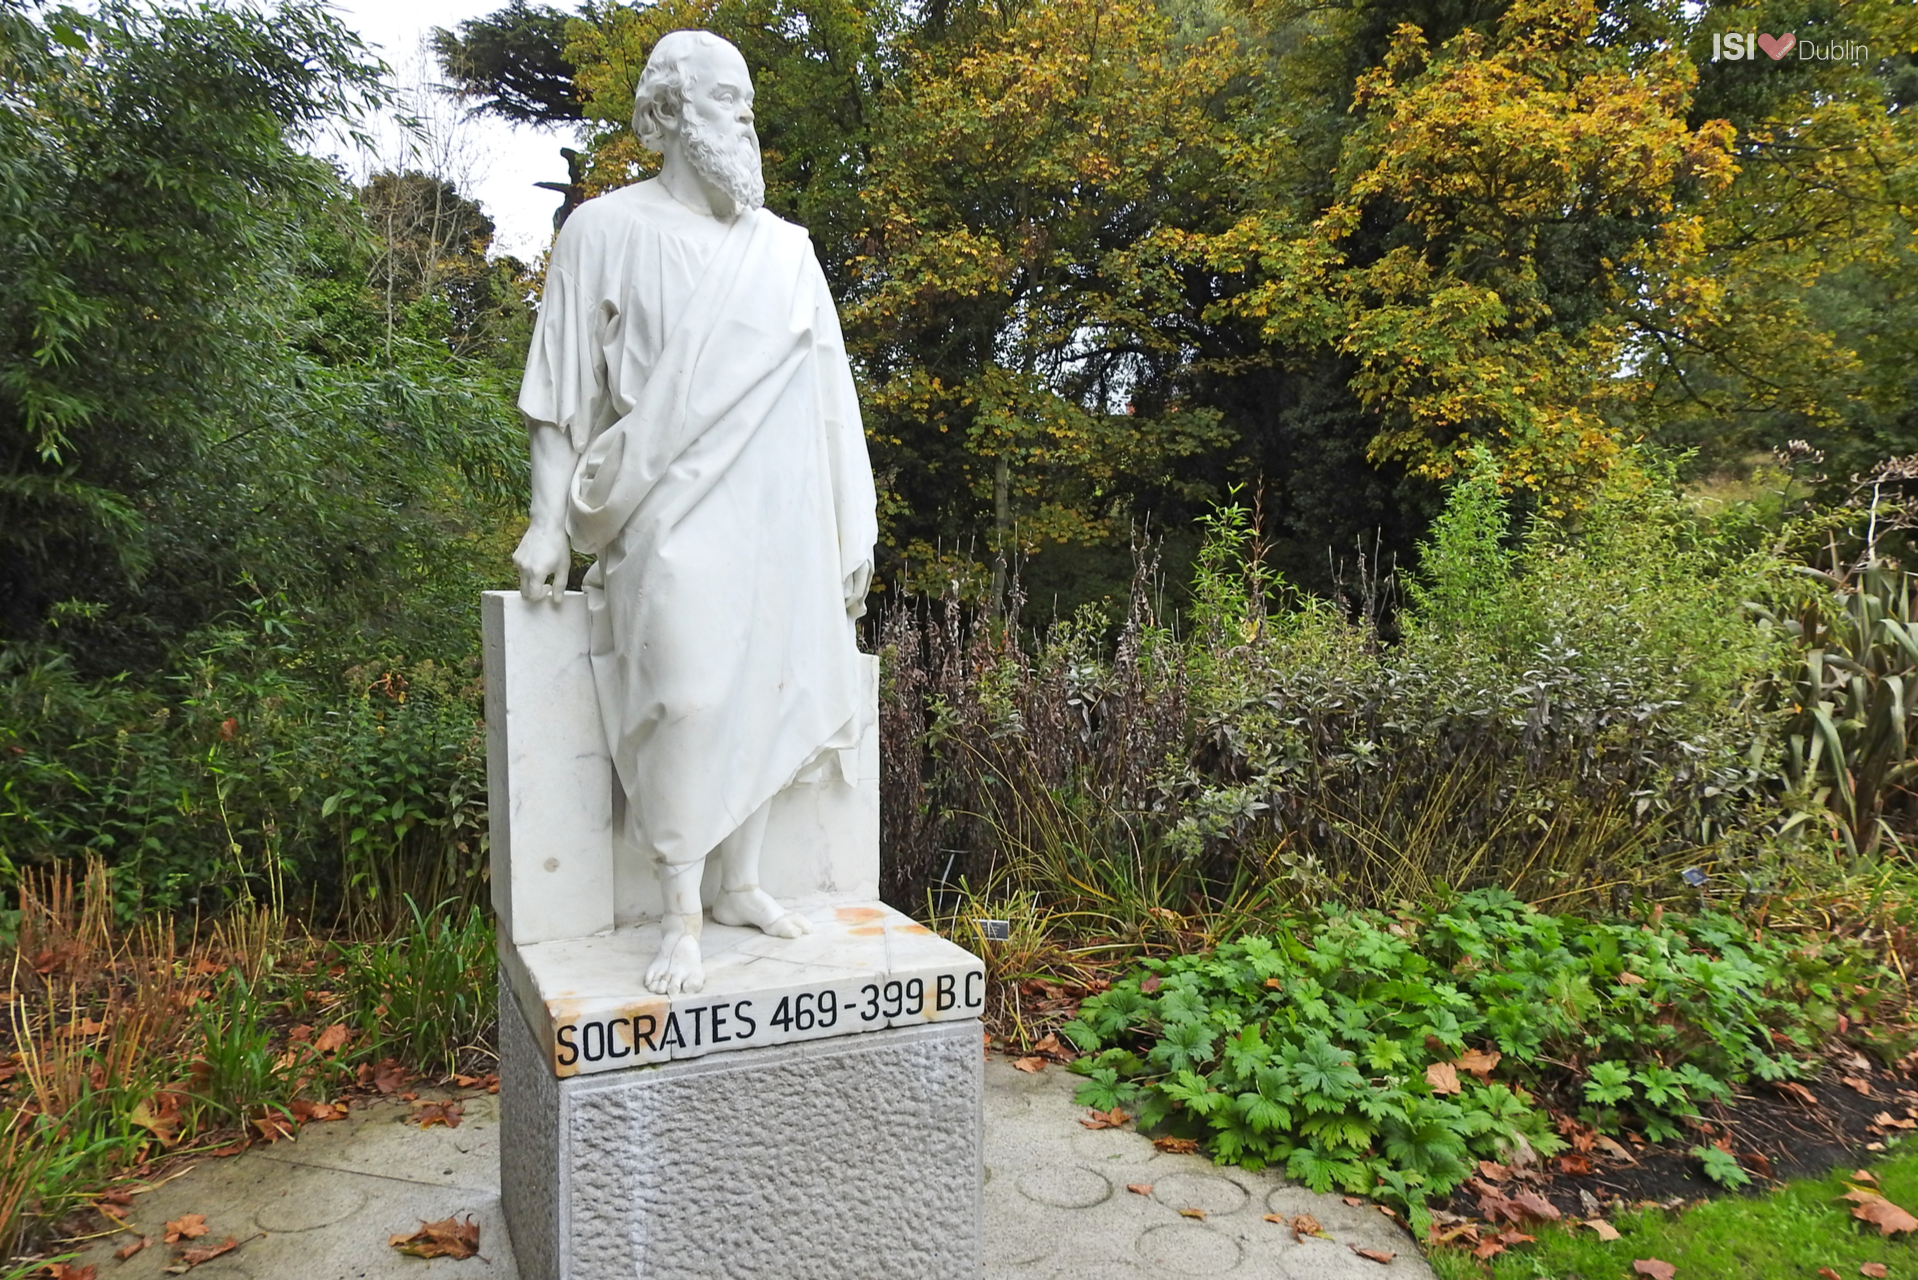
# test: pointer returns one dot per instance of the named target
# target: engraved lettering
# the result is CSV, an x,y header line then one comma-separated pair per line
x,y
672,1035
592,1051
613,1049
719,1020
572,1050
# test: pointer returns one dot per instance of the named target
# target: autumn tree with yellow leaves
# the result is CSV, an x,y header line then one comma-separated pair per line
x,y
1098,263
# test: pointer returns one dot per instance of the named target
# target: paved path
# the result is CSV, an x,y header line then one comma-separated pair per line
x,y
1056,1203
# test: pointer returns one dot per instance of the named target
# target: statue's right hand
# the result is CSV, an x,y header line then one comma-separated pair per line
x,y
543,554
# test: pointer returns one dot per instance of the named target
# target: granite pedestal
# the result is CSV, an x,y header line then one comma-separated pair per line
x,y
813,1111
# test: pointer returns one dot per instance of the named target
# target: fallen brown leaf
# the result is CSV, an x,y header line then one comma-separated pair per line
x,y
1354,1201
1654,1268
1573,1163
187,1227
1193,1213
1097,1119
1631,979
127,1251
1033,1065
192,1258
61,1271
1798,1091
1612,1149
1306,1225
1493,1172
1177,1146
1049,1044
333,1039
1139,1188
1480,1062
275,1127
1376,1255
1826,1273
1869,1206
1443,1078
1536,1206
157,1124
447,1238
1876,1270
1606,1231
432,1113
387,1077
1854,1083
1152,983
1865,1176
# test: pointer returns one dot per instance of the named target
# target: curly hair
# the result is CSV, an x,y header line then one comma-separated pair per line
x,y
664,84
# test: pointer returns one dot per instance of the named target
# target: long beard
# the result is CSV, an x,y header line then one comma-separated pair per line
x,y
732,165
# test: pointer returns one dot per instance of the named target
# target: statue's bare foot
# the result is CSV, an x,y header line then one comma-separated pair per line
x,y
754,906
677,968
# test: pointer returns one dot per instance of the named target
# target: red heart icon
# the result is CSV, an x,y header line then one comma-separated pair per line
x,y
1777,46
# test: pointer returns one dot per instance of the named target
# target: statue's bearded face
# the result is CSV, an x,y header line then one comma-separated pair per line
x,y
716,127
728,158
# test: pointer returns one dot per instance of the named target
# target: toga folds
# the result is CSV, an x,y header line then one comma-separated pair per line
x,y
723,484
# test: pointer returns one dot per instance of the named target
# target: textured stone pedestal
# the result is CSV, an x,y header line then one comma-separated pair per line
x,y
835,1159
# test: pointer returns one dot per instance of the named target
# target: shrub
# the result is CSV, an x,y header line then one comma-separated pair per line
x,y
1385,1054
1577,713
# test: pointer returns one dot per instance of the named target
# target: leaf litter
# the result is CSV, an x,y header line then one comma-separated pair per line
x,y
447,1238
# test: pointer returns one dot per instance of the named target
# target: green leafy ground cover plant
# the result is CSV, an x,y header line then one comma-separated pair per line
x,y
1385,1054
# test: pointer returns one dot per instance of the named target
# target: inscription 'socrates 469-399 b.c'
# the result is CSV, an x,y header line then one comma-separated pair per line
x,y
660,1032
863,968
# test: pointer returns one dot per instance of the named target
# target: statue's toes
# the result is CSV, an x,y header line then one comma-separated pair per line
x,y
790,925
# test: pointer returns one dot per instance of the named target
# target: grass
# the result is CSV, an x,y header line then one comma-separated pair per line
x,y
130,1044
1787,1234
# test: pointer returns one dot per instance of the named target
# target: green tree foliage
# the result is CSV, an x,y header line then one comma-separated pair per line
x,y
174,420
513,64
1099,263
230,381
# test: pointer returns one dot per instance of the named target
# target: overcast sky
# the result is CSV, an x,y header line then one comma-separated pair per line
x,y
492,161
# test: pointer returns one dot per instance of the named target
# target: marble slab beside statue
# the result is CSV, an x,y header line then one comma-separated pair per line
x,y
792,1087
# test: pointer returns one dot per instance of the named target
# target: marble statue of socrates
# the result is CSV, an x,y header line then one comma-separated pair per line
x,y
695,428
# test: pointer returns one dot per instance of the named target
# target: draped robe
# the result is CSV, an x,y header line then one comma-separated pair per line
x,y
724,485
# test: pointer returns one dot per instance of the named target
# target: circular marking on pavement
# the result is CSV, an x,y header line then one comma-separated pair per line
x,y
1206,1191
1065,1187
1188,1249
1102,1270
308,1210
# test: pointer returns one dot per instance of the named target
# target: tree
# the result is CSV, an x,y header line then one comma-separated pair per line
x,y
174,434
1504,207
513,63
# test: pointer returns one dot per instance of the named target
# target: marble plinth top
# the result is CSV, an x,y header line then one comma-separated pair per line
x,y
864,967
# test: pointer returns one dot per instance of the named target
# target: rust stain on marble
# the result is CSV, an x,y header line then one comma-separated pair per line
x,y
868,931
857,915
